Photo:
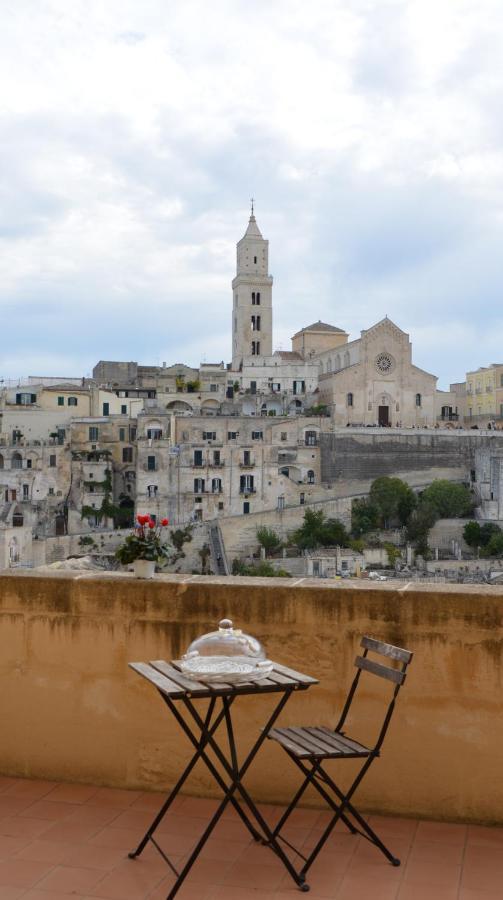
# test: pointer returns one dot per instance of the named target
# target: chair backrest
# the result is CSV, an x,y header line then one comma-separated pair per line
x,y
396,675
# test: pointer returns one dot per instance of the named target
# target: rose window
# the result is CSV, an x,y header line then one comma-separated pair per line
x,y
384,363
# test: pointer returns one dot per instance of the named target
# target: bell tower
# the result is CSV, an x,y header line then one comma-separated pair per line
x,y
252,297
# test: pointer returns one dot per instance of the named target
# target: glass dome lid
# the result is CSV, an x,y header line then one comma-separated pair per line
x,y
226,655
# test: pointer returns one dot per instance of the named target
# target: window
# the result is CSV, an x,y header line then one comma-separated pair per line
x,y
16,461
275,387
299,387
152,490
122,434
281,502
13,495
253,298
154,434
61,401
52,460
73,401
220,506
1,461
247,458
349,399
310,477
257,435
246,508
151,464
418,399
93,433
25,399
132,432
254,260
246,484
253,387
216,458
257,298
302,499
232,435
209,435
213,388
254,350
51,491
198,457
106,407
26,491
198,485
311,438
284,435
127,454
216,485
29,463
255,323
123,409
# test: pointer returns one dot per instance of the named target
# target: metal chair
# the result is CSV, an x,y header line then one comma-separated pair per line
x,y
308,747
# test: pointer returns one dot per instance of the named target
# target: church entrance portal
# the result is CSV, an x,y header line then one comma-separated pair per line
x,y
384,416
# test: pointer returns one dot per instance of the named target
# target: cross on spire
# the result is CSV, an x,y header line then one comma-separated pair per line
x,y
252,201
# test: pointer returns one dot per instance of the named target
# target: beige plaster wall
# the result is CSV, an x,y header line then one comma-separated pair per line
x,y
71,709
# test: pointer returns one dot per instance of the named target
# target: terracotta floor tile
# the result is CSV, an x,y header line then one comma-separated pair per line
x,y
23,872
7,782
37,894
483,877
131,880
12,806
352,889
243,874
468,894
483,855
71,832
94,815
189,825
10,846
114,797
426,851
481,834
68,879
226,850
73,793
89,856
15,826
186,892
137,819
422,892
49,809
45,851
441,831
433,873
11,893
201,807
121,838
35,790
228,892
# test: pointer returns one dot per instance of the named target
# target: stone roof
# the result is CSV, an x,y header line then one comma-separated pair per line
x,y
288,354
253,230
322,326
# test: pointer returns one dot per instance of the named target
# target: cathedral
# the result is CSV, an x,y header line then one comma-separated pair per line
x,y
369,381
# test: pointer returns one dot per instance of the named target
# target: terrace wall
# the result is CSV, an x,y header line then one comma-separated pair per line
x,y
70,709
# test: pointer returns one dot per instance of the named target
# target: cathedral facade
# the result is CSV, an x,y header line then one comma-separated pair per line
x,y
369,381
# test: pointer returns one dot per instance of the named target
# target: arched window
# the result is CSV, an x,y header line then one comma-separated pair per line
x,y
349,399
321,367
72,401
311,438
16,461
418,399
216,485
198,485
329,365
284,471
310,477
1,461
258,298
346,359
152,490
337,363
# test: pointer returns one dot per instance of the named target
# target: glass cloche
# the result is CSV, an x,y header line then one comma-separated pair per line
x,y
226,655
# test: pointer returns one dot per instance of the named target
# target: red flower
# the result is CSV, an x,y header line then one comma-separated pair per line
x,y
139,519
164,521
151,523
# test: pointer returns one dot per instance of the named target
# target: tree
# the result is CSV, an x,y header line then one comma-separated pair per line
x,y
268,539
495,545
316,531
487,532
422,519
471,534
181,536
393,499
451,501
364,517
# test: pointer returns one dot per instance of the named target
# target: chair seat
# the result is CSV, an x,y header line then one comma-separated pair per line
x,y
317,743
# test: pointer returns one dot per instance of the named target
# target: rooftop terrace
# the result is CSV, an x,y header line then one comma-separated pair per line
x,y
85,742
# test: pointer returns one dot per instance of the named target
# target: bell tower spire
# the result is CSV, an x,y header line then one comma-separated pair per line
x,y
252,296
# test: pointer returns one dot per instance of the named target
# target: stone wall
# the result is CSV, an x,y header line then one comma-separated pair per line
x,y
72,710
361,455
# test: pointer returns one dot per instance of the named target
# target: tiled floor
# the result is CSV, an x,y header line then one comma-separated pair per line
x,y
64,842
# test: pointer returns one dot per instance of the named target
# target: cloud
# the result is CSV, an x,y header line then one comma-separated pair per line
x,y
369,133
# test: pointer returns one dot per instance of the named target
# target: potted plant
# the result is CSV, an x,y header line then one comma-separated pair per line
x,y
144,547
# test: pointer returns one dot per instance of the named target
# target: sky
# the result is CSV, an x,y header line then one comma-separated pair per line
x,y
133,134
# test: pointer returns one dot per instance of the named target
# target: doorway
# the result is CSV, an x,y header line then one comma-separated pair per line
x,y
384,416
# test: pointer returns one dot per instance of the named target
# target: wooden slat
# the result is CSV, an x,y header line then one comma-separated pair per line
x,y
320,746
280,679
276,734
346,742
265,685
191,687
168,687
304,680
380,670
386,649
